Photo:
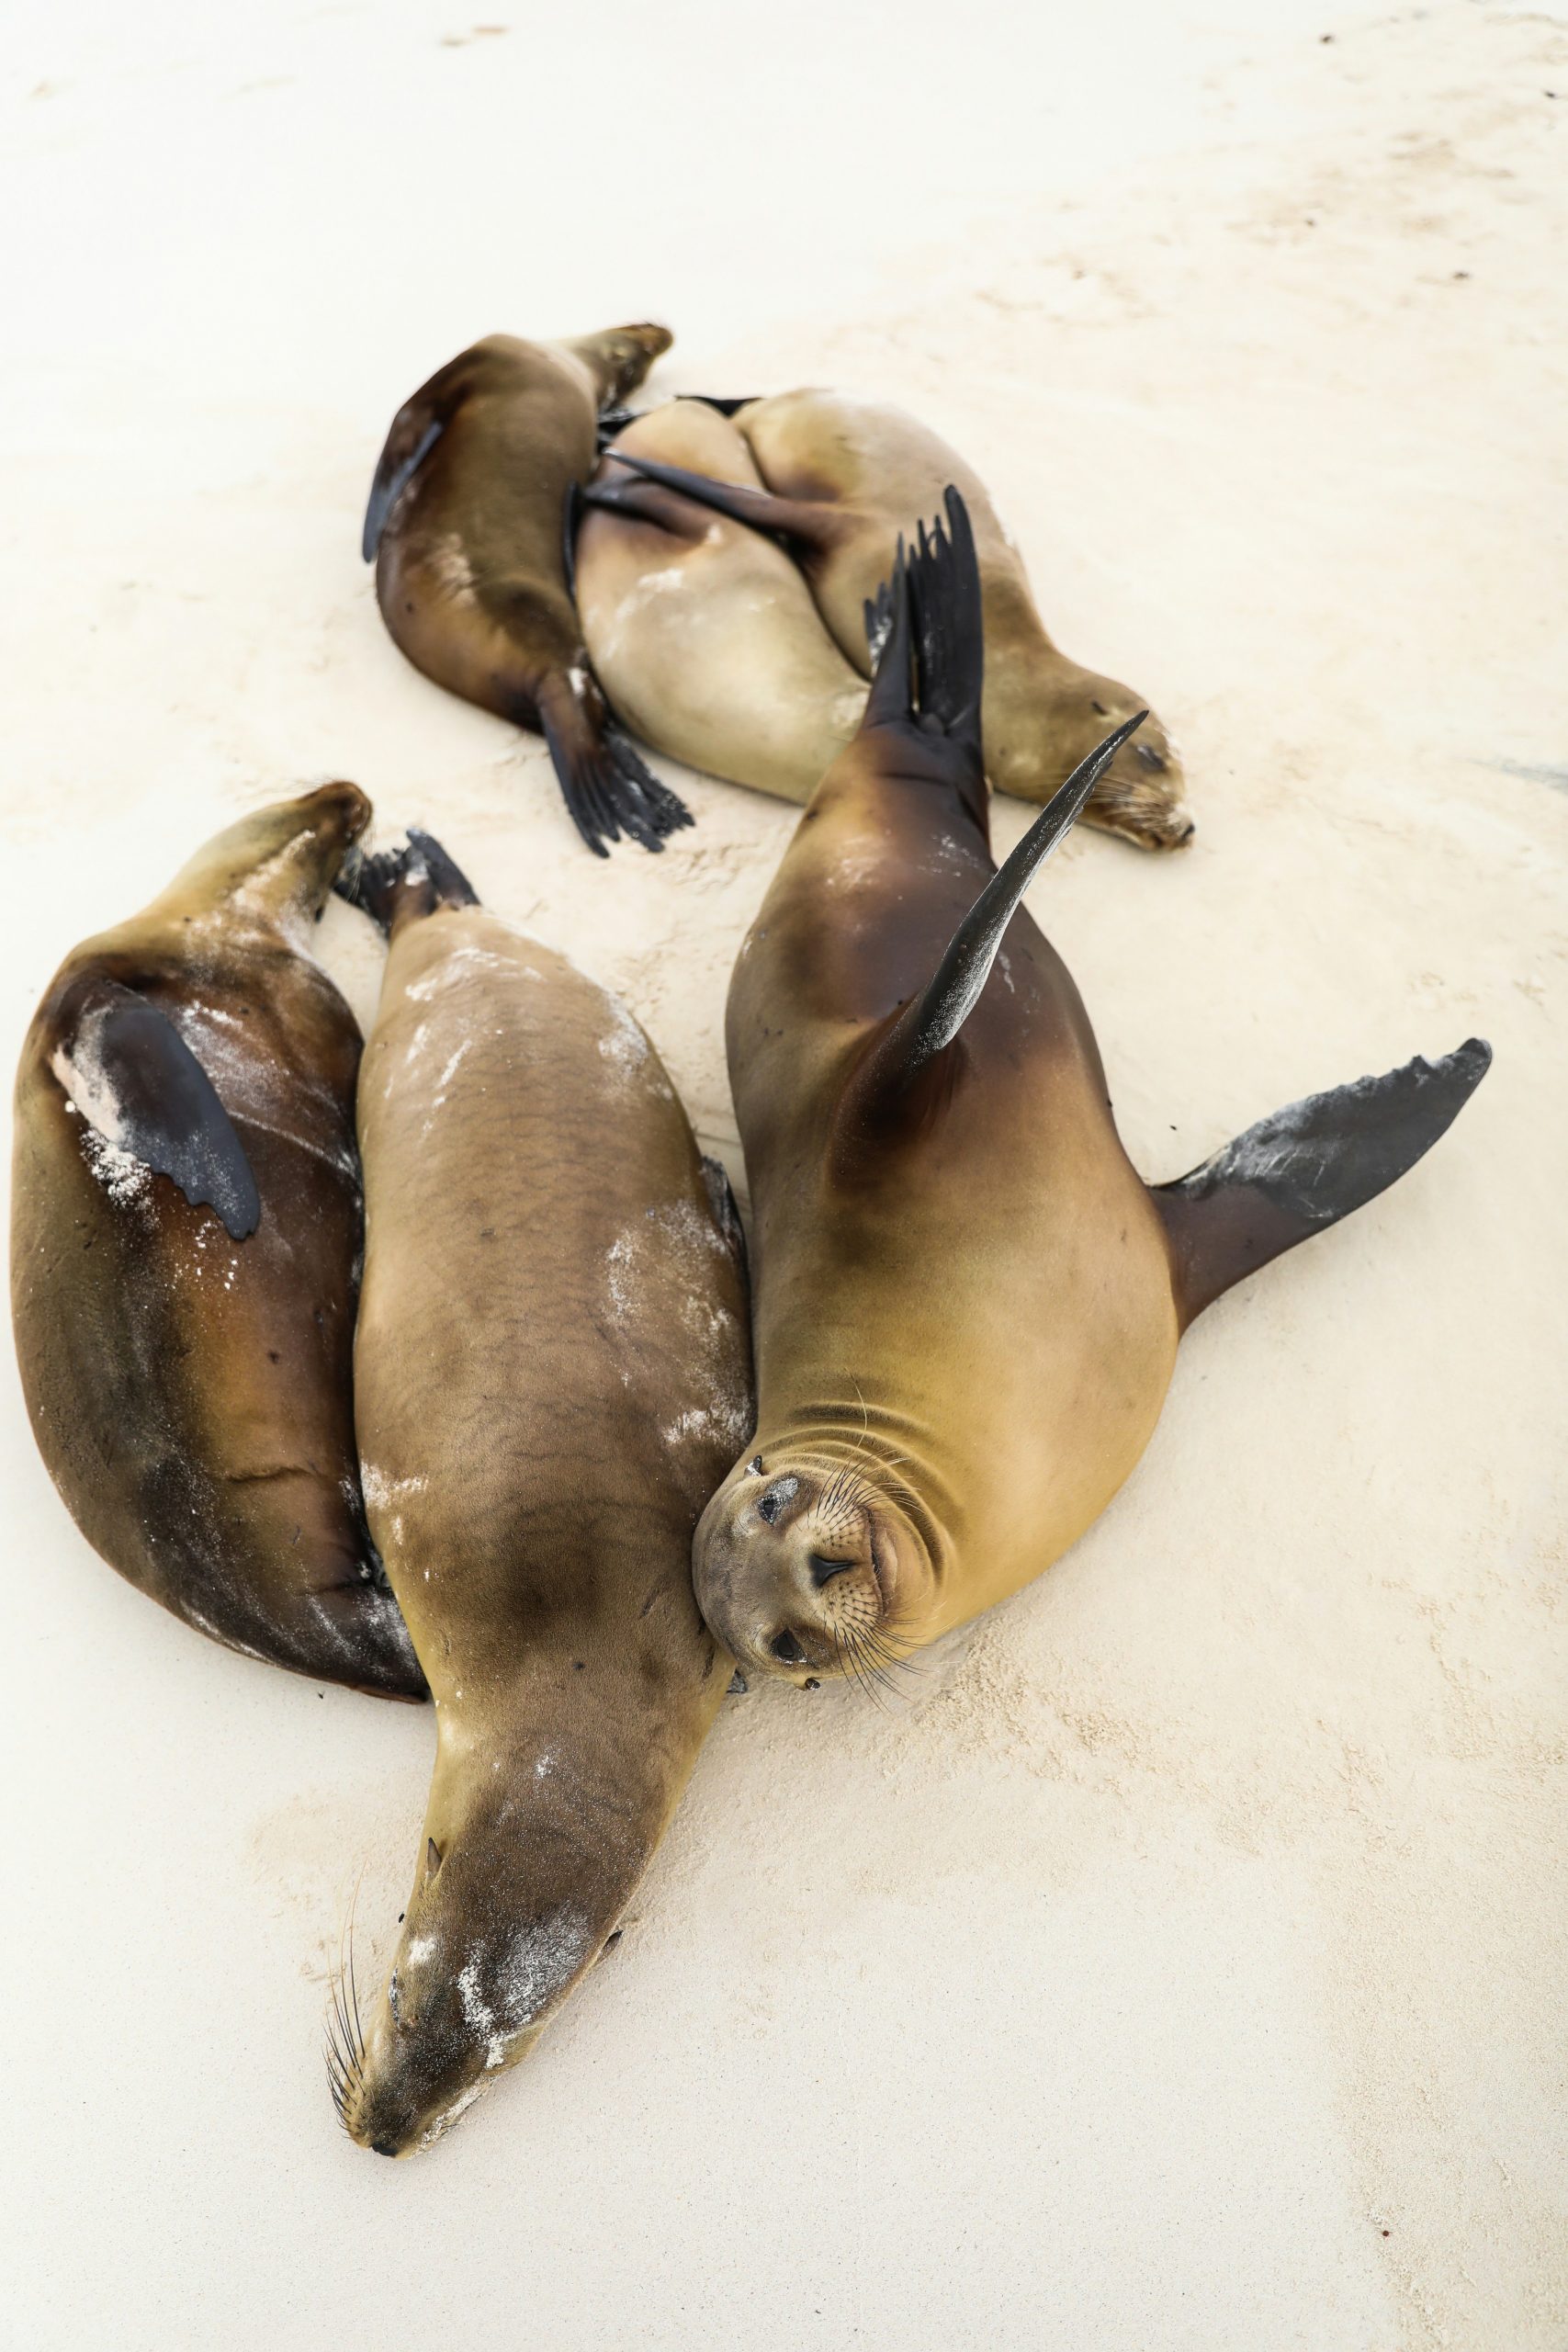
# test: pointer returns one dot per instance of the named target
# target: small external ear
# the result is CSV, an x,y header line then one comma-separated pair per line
x,y
432,1860
134,1077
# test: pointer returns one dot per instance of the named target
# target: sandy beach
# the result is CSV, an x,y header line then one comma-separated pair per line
x,y
1183,1965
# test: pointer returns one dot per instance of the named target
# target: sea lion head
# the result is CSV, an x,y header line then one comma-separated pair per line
x,y
481,1964
1141,795
807,1565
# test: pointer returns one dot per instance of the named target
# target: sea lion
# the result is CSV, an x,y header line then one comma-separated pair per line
x,y
702,629
468,525
966,1302
185,1230
845,479
553,1370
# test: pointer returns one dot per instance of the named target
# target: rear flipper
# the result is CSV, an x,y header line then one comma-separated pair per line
x,y
608,789
1304,1168
930,674
399,884
804,523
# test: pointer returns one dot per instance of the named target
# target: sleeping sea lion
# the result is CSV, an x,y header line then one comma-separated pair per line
x,y
553,1371
967,1303
185,1230
845,479
468,524
702,629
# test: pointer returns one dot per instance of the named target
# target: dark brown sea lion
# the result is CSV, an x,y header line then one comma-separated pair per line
x,y
967,1303
843,479
186,1232
468,524
553,1371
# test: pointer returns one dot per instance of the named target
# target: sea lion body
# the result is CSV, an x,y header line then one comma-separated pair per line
x,y
846,479
966,1302
703,630
554,1370
468,525
191,1391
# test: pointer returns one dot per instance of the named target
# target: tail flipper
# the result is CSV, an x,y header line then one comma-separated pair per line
x,y
608,789
398,884
803,521
1305,1167
927,683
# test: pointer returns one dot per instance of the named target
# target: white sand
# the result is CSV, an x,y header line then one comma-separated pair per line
x,y
1186,1967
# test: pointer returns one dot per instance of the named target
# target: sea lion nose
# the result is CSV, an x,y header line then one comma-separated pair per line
x,y
384,2147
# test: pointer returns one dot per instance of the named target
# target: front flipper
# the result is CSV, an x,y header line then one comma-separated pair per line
x,y
135,1081
1304,1168
727,1214
607,787
927,683
412,436
804,522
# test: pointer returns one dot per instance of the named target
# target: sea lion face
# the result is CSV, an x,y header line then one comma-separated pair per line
x,y
807,1566
1141,795
477,1972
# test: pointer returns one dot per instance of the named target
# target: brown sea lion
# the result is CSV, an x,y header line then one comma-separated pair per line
x,y
844,478
967,1303
185,1231
469,524
702,629
553,1371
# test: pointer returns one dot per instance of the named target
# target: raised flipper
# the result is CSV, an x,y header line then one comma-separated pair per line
x,y
805,522
135,1081
929,680
607,787
417,879
1304,1168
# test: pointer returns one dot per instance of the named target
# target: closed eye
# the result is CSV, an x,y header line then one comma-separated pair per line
x,y
824,1570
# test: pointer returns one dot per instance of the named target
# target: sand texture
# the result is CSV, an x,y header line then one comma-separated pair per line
x,y
1184,1966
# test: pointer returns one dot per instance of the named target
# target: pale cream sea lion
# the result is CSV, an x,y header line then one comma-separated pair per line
x,y
843,479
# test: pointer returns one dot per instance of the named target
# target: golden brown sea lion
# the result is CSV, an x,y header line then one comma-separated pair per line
x,y
843,479
553,1371
702,629
185,1230
470,522
967,1303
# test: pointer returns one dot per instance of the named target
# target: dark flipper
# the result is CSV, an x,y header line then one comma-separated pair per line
x,y
410,436
607,787
1305,1167
136,1081
725,408
393,475
727,1212
803,521
571,523
418,879
928,680
644,501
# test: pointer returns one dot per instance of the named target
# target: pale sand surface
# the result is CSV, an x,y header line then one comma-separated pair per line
x,y
1186,1965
